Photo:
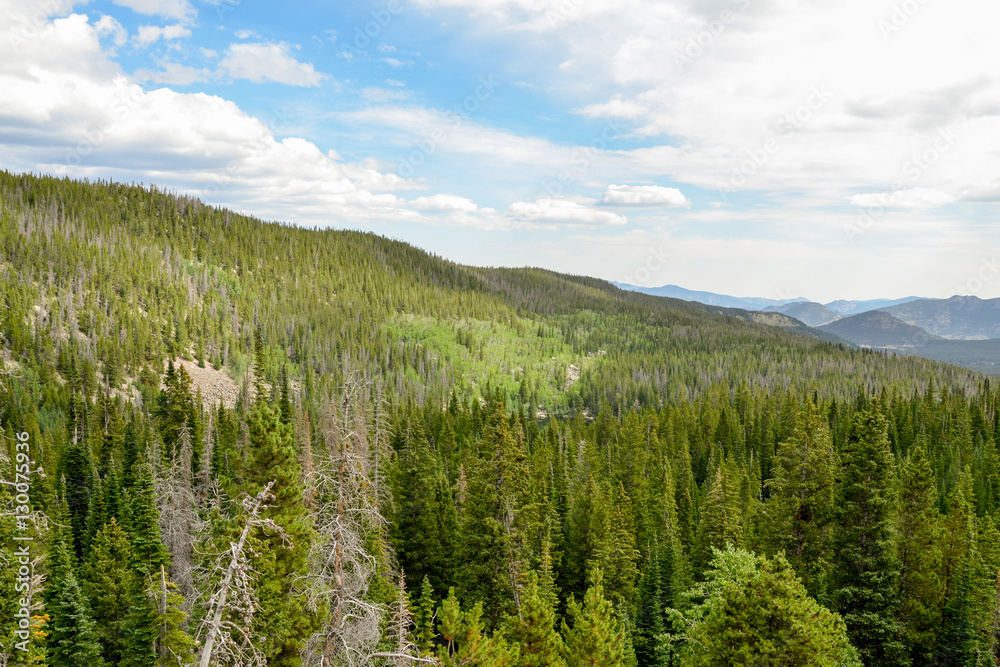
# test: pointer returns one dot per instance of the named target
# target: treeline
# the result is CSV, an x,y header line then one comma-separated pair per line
x,y
412,472
122,277
367,533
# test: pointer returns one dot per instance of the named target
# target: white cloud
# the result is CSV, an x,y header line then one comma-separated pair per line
x,y
181,10
148,34
245,34
259,62
396,62
108,25
67,110
563,212
444,203
381,95
916,198
644,195
171,73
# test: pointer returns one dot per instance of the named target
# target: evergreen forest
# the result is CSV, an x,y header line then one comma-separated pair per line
x,y
241,443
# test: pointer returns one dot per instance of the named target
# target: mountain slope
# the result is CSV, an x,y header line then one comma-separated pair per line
x,y
960,317
123,278
845,307
708,298
811,313
877,328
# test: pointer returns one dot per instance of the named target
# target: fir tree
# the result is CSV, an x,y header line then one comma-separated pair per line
x,y
533,629
865,572
595,638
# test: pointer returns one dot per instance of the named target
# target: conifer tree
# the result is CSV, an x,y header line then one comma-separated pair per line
x,y
72,639
920,589
865,574
272,456
800,509
108,583
488,541
533,629
595,638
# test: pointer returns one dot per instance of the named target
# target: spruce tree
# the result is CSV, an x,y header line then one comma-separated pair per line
x,y
72,633
595,638
865,574
533,629
800,508
109,583
279,559
920,588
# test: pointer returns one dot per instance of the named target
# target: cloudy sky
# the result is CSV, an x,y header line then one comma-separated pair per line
x,y
771,148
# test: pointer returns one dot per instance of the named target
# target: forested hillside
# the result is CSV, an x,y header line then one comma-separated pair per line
x,y
429,463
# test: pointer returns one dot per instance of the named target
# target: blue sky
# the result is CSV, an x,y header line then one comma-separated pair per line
x,y
754,147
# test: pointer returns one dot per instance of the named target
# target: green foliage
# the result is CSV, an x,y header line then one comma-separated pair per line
x,y
533,629
596,636
865,571
757,613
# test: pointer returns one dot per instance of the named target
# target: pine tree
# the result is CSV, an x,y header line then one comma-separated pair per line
x,y
488,541
423,618
800,508
865,572
72,639
596,638
108,583
533,629
758,614
272,456
920,589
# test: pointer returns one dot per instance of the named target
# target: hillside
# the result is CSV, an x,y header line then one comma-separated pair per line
x,y
811,313
328,302
960,317
876,328
238,430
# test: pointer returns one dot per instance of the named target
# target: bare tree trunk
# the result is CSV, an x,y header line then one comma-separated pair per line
x,y
220,603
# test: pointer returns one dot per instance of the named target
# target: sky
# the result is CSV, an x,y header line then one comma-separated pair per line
x,y
764,148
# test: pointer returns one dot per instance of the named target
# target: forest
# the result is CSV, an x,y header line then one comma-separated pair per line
x,y
425,463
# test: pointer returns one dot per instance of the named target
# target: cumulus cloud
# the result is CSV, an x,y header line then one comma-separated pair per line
x,y
148,34
563,212
444,203
643,195
259,62
915,198
68,110
171,73
181,10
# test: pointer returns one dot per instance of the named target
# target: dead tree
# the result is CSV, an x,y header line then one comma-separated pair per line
x,y
347,516
229,620
179,520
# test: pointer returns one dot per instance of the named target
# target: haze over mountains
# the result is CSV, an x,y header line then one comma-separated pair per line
x,y
962,330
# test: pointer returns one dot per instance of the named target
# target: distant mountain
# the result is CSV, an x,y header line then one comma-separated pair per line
x,y
844,307
877,328
779,320
812,313
708,298
960,317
